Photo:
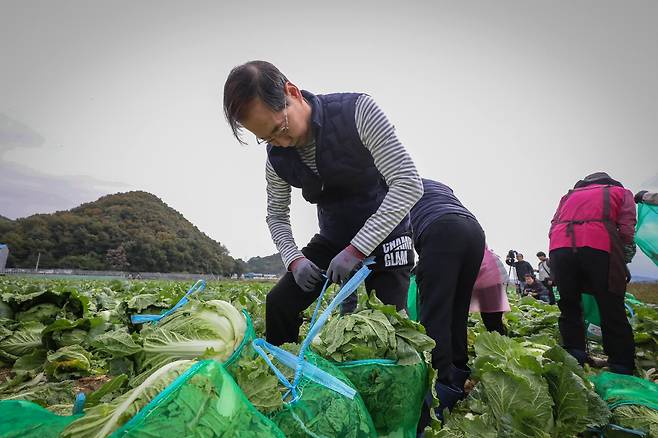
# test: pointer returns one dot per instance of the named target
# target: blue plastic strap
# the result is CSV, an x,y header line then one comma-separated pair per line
x,y
317,306
140,319
630,309
79,404
260,345
298,363
628,432
309,370
344,292
314,373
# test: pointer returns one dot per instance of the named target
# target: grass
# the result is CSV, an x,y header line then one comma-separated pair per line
x,y
643,291
646,292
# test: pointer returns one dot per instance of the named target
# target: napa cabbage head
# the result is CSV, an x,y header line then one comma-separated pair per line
x,y
202,330
102,419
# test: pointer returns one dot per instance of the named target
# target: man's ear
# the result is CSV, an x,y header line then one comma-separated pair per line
x,y
293,91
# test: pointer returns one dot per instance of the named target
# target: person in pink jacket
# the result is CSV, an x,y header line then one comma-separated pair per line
x,y
489,296
591,240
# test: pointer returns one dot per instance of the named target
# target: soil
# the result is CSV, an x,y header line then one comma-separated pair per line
x,y
90,384
5,374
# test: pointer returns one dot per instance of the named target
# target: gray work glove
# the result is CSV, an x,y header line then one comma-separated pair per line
x,y
343,264
629,252
306,273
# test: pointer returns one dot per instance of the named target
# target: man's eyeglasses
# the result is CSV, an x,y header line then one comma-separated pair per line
x,y
282,130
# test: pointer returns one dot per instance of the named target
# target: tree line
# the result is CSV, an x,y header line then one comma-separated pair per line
x,y
133,231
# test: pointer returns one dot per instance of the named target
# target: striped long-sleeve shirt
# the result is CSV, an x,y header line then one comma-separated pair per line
x,y
391,159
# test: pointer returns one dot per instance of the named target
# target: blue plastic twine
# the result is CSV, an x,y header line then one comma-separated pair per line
x,y
312,372
140,319
347,290
79,404
299,363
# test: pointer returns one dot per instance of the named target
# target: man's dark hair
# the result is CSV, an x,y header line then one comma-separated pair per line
x,y
518,254
529,275
254,79
541,254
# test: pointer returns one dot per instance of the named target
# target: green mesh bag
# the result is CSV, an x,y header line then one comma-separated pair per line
x,y
322,412
646,231
244,350
619,389
24,419
592,316
631,300
392,393
633,402
205,401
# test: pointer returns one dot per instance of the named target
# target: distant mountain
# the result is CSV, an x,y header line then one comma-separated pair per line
x,y
133,231
643,279
266,265
4,219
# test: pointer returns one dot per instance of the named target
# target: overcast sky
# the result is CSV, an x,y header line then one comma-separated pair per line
x,y
508,102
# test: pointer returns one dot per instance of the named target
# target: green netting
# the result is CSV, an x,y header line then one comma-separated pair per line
x,y
646,231
633,402
412,299
592,316
24,419
392,393
321,412
244,350
636,421
203,402
632,301
619,389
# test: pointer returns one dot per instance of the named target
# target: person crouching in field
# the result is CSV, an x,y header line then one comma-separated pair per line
x,y
450,246
521,268
536,289
343,153
591,240
544,274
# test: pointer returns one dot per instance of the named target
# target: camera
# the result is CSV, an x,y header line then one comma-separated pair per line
x,y
511,254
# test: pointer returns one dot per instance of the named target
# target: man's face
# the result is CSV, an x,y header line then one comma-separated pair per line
x,y
519,257
529,280
286,128
542,258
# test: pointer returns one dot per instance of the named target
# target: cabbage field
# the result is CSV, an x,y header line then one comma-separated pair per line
x,y
60,338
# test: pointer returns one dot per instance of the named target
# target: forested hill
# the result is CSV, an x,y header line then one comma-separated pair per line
x,y
266,265
133,231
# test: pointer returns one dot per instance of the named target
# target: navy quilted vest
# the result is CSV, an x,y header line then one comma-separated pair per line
x,y
349,188
438,200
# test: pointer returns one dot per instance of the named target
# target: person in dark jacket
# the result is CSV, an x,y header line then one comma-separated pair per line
x,y
544,274
591,240
450,245
342,152
535,289
521,267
